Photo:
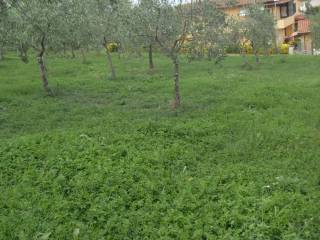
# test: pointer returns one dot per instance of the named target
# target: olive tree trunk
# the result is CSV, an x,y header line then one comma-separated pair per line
x,y
113,71
176,65
73,55
42,67
109,58
151,65
64,50
23,52
84,59
256,54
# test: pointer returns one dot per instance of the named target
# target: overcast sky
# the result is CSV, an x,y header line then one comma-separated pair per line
x,y
315,2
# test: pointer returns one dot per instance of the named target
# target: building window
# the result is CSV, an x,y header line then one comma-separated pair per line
x,y
284,11
288,9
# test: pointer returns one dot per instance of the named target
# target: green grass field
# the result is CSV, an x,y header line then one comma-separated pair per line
x,y
110,159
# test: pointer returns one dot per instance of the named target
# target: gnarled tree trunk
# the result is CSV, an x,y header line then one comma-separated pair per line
x,y
176,64
23,52
243,55
42,66
113,71
151,65
84,59
73,55
256,54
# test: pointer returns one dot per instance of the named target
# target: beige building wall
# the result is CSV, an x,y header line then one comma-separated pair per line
x,y
280,36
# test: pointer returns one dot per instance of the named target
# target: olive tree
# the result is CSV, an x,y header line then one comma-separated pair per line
x,y
3,40
313,13
238,37
76,27
109,18
315,29
178,24
173,28
18,34
42,24
210,32
3,27
144,21
258,27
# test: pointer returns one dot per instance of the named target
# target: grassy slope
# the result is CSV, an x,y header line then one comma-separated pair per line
x,y
240,160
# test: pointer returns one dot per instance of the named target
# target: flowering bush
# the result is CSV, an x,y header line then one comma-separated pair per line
x,y
284,48
112,47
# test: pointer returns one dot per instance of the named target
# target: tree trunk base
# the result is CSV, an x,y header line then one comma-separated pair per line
x,y
150,55
84,59
177,100
113,71
43,75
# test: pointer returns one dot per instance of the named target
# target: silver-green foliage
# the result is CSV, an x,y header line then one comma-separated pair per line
x,y
110,24
258,27
3,27
143,27
41,20
75,25
210,32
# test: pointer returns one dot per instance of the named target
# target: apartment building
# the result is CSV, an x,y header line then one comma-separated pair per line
x,y
291,23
